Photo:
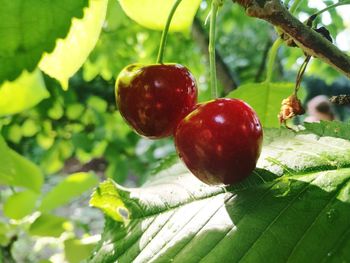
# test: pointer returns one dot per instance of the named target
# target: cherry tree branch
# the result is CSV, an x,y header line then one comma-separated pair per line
x,y
311,42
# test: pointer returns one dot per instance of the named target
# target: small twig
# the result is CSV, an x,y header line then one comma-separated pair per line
x,y
340,99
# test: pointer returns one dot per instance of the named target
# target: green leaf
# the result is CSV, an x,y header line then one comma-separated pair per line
x,y
283,152
71,187
17,171
296,216
47,225
30,128
27,174
74,111
76,250
26,91
4,237
265,98
154,13
329,128
20,204
70,53
110,202
29,28
7,169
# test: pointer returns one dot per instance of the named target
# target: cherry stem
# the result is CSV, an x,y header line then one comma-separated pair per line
x,y
301,74
165,32
272,58
212,57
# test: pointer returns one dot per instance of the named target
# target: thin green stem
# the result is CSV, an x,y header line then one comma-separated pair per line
x,y
212,58
333,6
165,32
272,58
277,44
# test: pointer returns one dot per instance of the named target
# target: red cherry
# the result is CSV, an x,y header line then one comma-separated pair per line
x,y
220,141
153,99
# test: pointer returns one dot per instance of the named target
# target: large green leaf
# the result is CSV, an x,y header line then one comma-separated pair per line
x,y
29,28
153,14
70,53
69,188
290,212
27,91
265,98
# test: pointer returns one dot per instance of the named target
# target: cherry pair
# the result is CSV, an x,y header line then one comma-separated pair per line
x,y
219,141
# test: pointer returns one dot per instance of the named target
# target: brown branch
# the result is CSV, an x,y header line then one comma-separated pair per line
x,y
311,42
225,76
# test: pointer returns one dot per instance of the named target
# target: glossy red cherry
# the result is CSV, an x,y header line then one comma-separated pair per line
x,y
153,99
220,141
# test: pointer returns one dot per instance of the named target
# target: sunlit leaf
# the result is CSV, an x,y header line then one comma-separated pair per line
x,y
153,14
23,93
265,98
20,204
71,187
71,52
299,215
29,28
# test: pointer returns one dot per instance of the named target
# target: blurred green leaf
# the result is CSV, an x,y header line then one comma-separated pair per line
x,y
27,38
74,111
265,99
23,93
30,128
154,14
14,133
4,238
47,225
26,174
18,171
71,187
118,169
97,104
71,52
7,169
20,204
56,112
76,251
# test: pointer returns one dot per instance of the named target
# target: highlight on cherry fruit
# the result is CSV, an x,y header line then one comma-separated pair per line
x,y
220,141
